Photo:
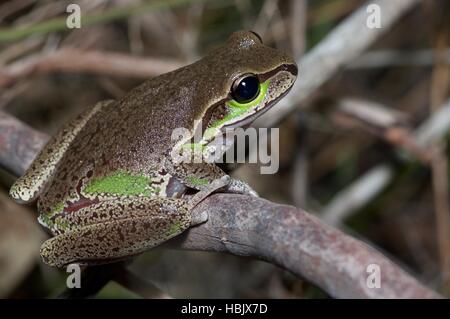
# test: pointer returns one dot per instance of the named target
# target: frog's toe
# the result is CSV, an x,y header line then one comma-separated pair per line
x,y
21,194
240,187
48,256
198,218
221,182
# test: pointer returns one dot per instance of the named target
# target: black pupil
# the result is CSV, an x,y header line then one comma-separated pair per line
x,y
246,90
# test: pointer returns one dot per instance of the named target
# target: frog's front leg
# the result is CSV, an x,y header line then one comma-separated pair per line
x,y
118,229
200,175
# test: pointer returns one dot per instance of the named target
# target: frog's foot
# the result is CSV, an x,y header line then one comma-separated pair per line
x,y
142,225
210,188
198,176
229,185
240,187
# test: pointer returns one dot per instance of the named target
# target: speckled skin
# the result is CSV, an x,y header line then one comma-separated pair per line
x,y
131,138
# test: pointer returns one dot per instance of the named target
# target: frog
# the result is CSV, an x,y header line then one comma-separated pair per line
x,y
106,184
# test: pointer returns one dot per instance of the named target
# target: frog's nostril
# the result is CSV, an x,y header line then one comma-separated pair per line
x,y
292,68
257,35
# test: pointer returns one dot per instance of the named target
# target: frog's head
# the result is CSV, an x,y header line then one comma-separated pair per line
x,y
245,78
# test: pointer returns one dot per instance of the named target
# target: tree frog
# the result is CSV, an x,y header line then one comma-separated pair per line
x,y
106,184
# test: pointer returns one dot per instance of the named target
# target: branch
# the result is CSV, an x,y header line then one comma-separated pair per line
x,y
73,60
381,121
395,58
247,226
113,14
19,144
299,242
343,45
352,198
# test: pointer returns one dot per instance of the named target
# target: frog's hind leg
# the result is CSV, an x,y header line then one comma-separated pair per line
x,y
143,223
28,187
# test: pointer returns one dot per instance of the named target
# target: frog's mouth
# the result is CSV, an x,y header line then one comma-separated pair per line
x,y
249,119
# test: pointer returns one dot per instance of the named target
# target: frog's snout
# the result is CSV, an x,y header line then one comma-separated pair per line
x,y
290,67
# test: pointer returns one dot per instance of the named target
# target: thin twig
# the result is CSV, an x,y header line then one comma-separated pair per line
x,y
381,121
391,58
265,16
11,7
299,189
440,80
341,46
73,60
19,144
115,13
298,24
355,196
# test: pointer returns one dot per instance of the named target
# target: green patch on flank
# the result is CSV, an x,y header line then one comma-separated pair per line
x,y
197,181
47,218
58,208
175,228
195,147
61,223
120,183
238,109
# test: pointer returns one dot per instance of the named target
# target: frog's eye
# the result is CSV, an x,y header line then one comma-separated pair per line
x,y
245,89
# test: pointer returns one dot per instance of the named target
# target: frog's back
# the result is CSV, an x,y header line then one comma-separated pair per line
x,y
132,134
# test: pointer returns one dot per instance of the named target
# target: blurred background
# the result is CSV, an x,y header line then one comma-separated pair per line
x,y
355,152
